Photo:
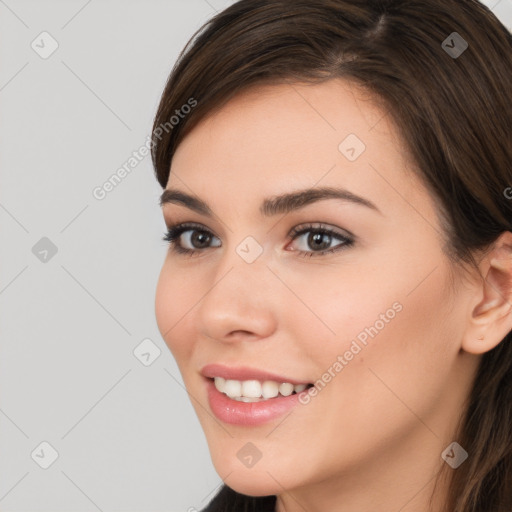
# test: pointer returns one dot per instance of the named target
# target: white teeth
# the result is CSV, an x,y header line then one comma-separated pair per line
x,y
247,399
219,384
286,389
254,390
251,389
233,388
270,389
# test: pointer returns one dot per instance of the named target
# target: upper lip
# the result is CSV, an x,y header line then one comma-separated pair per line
x,y
245,373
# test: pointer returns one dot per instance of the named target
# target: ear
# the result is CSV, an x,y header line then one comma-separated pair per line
x,y
491,311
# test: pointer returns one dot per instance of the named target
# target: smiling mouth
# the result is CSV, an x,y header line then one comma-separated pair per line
x,y
255,390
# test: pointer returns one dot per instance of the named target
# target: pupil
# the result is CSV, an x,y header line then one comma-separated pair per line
x,y
316,240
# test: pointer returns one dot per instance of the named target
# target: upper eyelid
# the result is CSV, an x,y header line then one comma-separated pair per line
x,y
321,227
191,226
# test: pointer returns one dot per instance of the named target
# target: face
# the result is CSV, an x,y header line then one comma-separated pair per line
x,y
351,293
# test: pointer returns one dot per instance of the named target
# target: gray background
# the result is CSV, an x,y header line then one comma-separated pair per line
x,y
126,435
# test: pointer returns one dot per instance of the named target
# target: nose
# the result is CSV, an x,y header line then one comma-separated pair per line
x,y
239,303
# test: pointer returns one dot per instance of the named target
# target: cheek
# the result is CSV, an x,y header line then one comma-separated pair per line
x,y
175,299
388,306
398,344
371,336
332,309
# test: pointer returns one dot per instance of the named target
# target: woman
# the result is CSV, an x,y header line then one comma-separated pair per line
x,y
338,287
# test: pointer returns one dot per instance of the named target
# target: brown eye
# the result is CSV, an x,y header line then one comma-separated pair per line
x,y
318,240
187,238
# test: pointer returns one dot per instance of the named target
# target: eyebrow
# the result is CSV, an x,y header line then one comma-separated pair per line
x,y
275,205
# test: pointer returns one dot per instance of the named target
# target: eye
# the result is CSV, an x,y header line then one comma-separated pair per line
x,y
189,238
319,239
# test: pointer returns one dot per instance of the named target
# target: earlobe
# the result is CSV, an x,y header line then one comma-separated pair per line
x,y
491,317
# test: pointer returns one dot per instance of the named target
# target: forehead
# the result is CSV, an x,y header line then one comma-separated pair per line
x,y
285,116
271,139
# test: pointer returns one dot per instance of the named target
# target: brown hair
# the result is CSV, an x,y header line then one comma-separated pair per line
x,y
454,114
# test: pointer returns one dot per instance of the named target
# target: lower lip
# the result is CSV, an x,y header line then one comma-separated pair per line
x,y
248,413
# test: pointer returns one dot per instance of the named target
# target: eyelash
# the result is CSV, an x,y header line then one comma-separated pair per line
x,y
175,231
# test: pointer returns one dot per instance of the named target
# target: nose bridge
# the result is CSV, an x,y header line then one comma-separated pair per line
x,y
240,296
244,266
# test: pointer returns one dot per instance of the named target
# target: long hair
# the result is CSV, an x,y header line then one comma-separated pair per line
x,y
442,70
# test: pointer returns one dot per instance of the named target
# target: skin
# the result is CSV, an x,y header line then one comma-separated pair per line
x,y
373,436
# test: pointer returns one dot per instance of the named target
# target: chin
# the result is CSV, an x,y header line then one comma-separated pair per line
x,y
253,483
265,478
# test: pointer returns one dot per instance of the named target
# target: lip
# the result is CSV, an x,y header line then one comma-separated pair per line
x,y
234,412
245,373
